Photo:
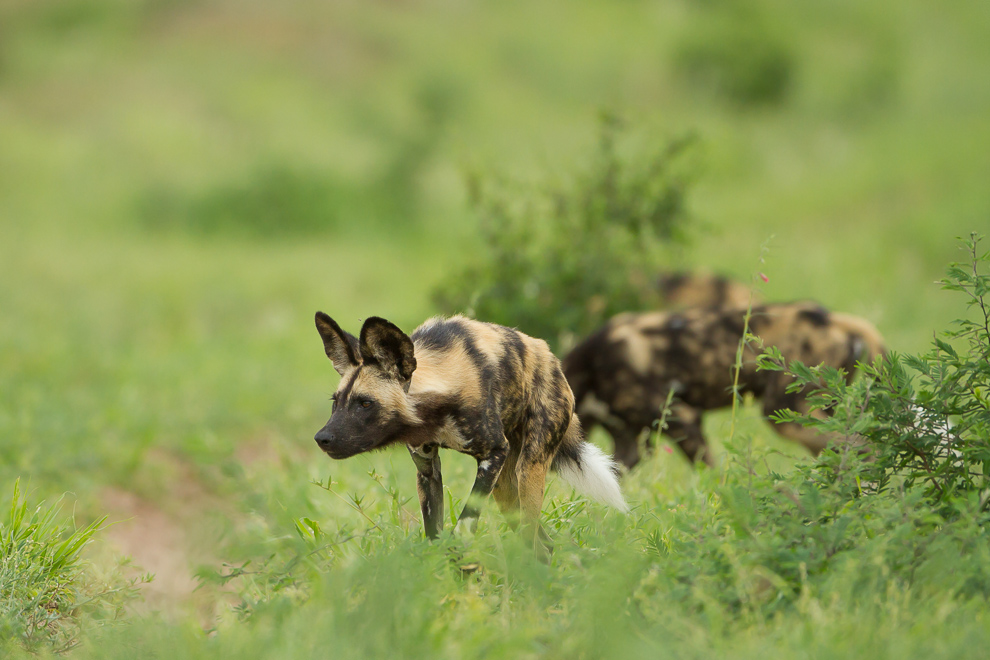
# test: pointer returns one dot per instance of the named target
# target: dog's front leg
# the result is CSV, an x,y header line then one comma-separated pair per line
x,y
429,485
489,467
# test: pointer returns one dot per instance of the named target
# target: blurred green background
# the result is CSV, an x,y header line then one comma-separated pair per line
x,y
184,182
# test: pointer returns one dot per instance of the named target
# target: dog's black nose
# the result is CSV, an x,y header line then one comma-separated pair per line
x,y
323,439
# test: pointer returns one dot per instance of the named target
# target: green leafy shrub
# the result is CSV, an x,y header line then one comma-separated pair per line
x,y
560,259
44,587
901,505
925,419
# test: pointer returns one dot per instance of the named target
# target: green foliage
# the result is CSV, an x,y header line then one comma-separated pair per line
x,y
277,201
561,259
734,50
272,203
62,18
769,540
44,587
396,194
901,504
924,421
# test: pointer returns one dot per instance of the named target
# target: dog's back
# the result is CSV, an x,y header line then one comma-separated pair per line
x,y
682,290
490,368
483,364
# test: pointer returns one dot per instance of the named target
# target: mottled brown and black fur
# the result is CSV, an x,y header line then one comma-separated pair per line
x,y
481,389
621,375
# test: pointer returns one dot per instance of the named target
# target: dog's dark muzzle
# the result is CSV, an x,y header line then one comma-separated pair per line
x,y
324,439
334,446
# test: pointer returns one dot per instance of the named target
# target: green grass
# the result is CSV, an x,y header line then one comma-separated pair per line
x,y
46,588
182,365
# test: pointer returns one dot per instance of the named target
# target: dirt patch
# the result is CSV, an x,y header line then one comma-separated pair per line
x,y
156,543
169,536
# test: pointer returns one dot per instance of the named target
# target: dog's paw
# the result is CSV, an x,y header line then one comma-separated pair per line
x,y
466,527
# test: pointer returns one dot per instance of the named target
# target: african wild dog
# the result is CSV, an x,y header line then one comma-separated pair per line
x,y
621,375
481,389
680,290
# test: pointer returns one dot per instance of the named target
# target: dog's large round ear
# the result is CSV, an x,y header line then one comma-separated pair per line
x,y
341,347
382,343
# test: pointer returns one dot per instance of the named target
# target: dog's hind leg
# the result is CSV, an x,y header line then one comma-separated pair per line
x,y
541,440
506,491
626,438
684,428
531,474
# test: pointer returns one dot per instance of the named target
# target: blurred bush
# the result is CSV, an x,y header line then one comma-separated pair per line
x,y
561,258
733,49
275,201
397,190
857,69
286,200
61,18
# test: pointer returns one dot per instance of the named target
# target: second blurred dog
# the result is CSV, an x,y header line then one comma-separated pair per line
x,y
681,290
622,374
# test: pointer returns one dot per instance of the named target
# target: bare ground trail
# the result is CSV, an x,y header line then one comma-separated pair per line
x,y
175,534
168,537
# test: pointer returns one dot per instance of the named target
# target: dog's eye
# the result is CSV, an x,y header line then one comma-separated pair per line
x,y
365,403
334,399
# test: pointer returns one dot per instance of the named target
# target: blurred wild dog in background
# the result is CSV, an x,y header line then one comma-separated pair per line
x,y
681,290
622,374
481,389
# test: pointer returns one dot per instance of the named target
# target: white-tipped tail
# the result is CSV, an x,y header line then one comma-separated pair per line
x,y
593,475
